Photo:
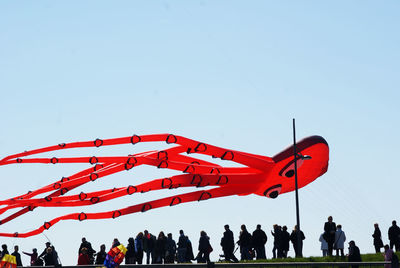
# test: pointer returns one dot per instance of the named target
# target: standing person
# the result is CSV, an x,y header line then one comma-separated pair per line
x,y
160,248
285,239
394,236
228,245
244,243
259,241
204,248
148,246
277,240
330,230
171,249
49,257
378,243
17,256
44,251
130,252
4,250
90,251
354,253
324,245
182,247
340,238
33,255
101,255
139,248
389,254
83,258
189,252
115,243
298,248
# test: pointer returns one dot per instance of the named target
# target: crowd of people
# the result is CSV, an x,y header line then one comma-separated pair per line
x,y
149,249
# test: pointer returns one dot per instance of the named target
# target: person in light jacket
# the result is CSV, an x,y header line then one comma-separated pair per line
x,y
324,245
340,238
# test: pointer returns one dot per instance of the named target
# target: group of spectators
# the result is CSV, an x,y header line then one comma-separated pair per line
x,y
148,248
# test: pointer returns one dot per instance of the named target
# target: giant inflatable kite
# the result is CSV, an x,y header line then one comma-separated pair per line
x,y
257,174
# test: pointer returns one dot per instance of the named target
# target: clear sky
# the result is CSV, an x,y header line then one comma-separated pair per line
x,y
229,73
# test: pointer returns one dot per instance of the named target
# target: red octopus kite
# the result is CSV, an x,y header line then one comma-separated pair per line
x,y
261,175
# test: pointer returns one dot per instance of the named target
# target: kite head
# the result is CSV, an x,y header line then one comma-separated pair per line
x,y
311,160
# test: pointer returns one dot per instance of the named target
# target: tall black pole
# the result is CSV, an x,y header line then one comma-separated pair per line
x,y
299,247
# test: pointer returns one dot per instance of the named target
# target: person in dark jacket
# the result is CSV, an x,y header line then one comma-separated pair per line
x,y
171,249
329,234
378,243
189,252
354,253
17,256
285,241
130,252
204,248
49,257
245,243
228,245
276,233
33,255
182,247
139,248
101,255
148,246
90,251
4,250
259,241
394,236
298,248
160,248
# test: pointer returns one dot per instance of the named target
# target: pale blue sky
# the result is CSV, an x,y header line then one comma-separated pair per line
x,y
230,73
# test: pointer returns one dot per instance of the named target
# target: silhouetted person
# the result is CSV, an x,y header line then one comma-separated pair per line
x,y
340,238
4,250
204,248
182,247
276,233
189,252
285,241
298,248
354,253
160,248
115,243
139,248
378,243
33,255
329,235
171,249
83,258
394,236
45,250
228,245
49,257
148,246
245,243
391,257
17,256
130,252
90,251
101,255
259,241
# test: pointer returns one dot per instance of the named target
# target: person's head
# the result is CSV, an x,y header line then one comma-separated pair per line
x,y
130,240
83,240
284,227
49,250
34,250
393,223
339,226
243,227
386,247
161,235
226,227
48,244
330,219
103,247
376,225
16,248
181,232
258,226
202,233
139,235
352,243
169,235
146,232
4,247
295,228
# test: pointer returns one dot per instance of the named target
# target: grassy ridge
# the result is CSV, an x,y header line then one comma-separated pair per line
x,y
376,257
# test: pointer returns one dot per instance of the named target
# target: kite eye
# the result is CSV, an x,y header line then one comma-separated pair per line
x,y
288,170
273,191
